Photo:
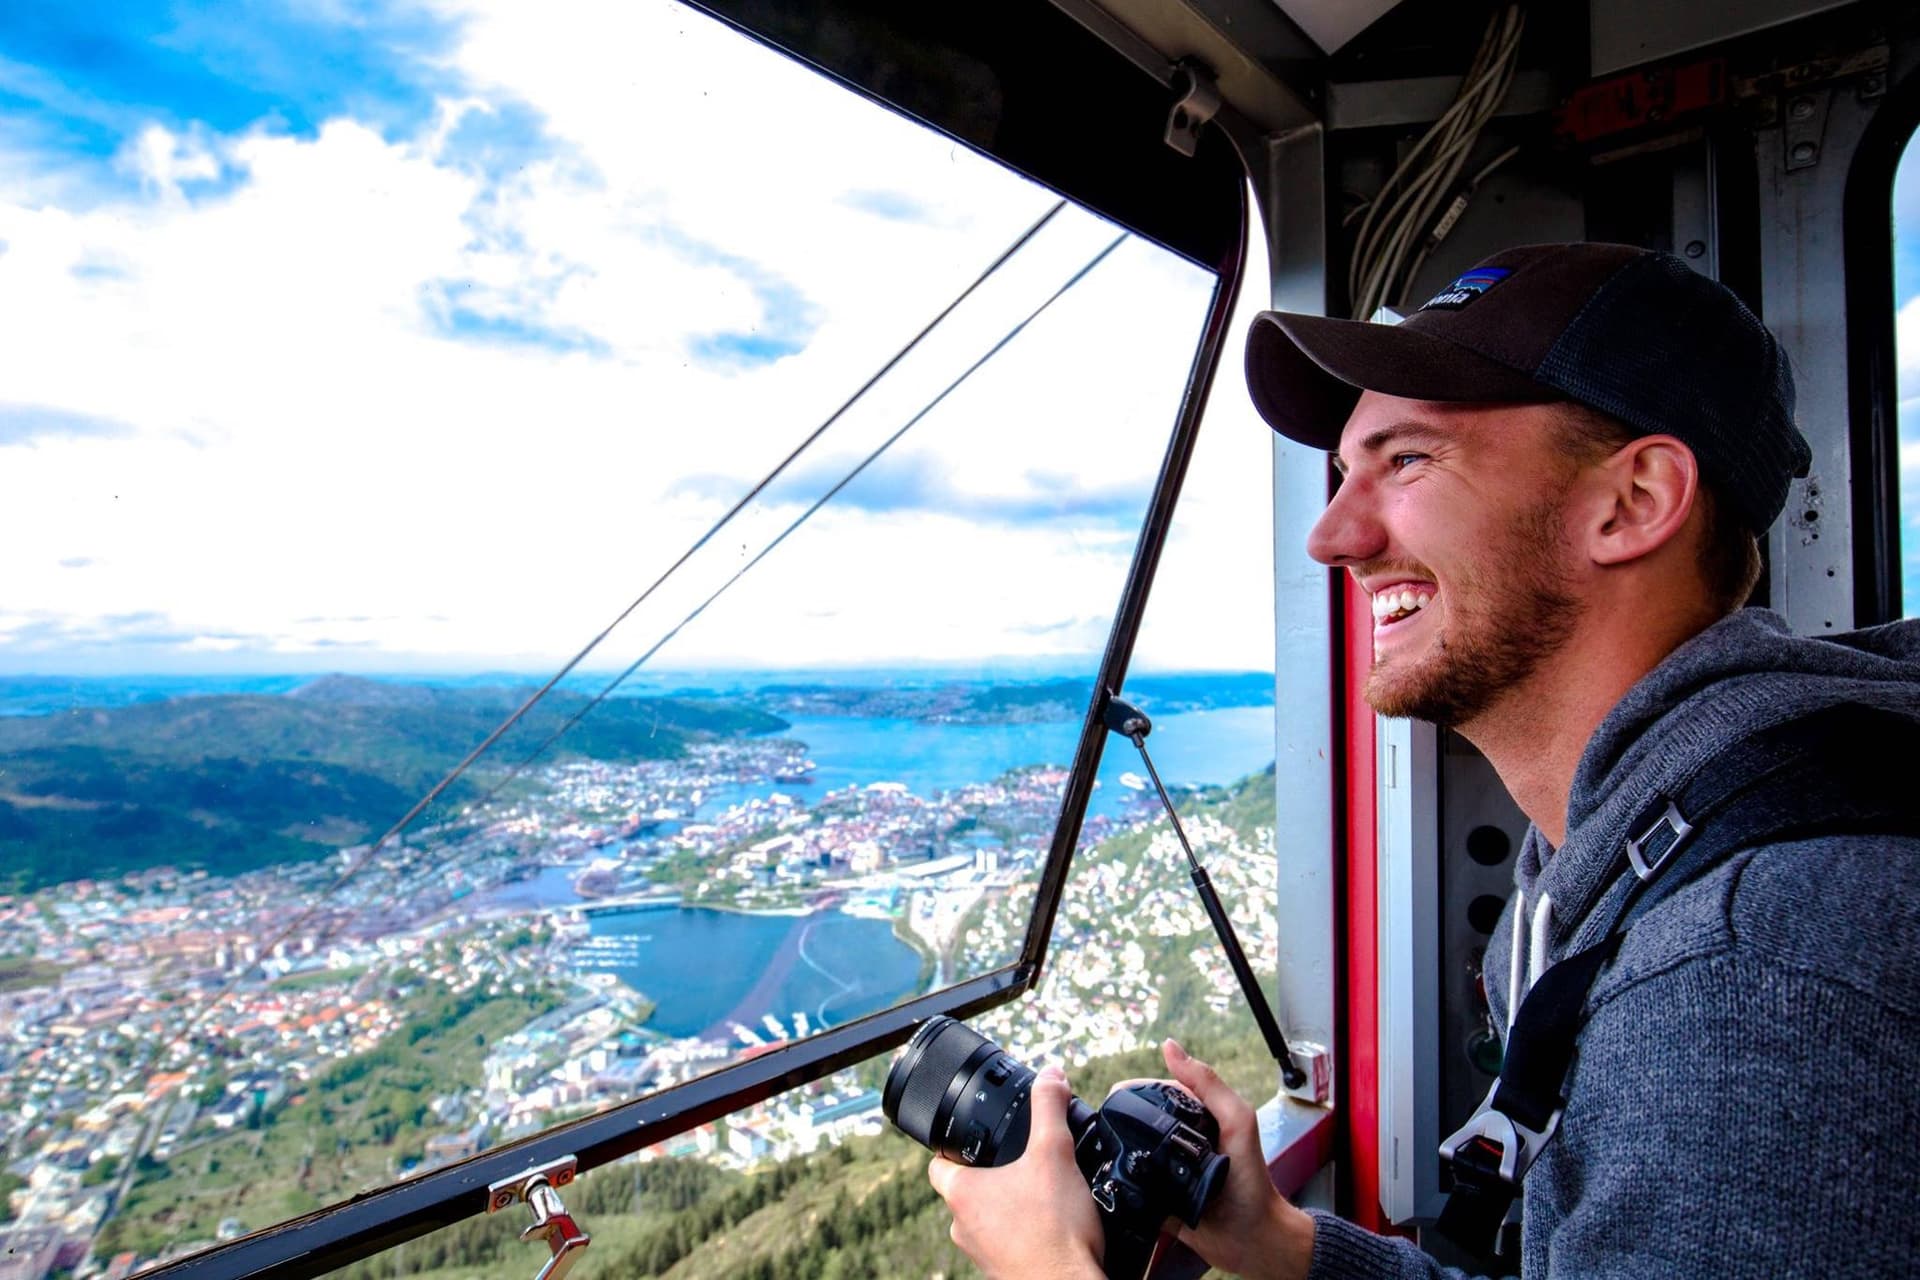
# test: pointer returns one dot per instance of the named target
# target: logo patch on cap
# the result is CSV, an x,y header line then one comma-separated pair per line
x,y
1466,289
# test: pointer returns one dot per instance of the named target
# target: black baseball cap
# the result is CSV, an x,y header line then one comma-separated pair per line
x,y
1633,333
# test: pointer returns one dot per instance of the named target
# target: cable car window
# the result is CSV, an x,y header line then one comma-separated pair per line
x,y
1906,294
1132,958
528,583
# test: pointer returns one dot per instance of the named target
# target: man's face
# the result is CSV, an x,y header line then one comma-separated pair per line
x,y
1450,517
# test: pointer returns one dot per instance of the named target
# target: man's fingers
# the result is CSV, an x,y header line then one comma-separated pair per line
x,y
1048,1109
941,1173
1203,1082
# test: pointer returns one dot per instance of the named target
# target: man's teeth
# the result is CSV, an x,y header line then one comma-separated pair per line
x,y
1388,604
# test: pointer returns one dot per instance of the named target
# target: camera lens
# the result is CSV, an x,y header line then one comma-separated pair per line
x,y
918,1083
956,1092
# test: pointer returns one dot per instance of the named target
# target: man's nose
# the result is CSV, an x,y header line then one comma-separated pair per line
x,y
1348,531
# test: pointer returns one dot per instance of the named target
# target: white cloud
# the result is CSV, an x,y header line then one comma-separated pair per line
x,y
448,413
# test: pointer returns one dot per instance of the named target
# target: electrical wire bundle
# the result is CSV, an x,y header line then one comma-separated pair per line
x,y
1400,228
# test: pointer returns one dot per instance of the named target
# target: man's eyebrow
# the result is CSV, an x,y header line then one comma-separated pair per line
x,y
1381,437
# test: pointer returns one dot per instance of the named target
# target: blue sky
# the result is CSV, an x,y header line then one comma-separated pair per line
x,y
80,84
79,81
429,332
1906,284
346,333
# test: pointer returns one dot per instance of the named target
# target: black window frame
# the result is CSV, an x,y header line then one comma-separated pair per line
x,y
1022,83
1873,356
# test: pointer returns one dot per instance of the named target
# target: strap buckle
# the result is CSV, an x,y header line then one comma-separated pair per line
x,y
1517,1145
1645,864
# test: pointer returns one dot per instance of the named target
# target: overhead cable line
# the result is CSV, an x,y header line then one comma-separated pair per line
x,y
759,487
804,516
439,788
517,770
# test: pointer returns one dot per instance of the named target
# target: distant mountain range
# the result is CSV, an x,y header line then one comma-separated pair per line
x,y
982,702
235,781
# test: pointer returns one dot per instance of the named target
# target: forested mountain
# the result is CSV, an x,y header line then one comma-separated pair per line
x,y
235,781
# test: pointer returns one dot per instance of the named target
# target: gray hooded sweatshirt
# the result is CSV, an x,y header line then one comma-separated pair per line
x,y
1745,1098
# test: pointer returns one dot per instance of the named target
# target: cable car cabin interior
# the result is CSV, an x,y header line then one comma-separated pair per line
x,y
623,616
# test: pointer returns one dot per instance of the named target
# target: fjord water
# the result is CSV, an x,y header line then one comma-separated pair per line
x,y
1190,748
706,969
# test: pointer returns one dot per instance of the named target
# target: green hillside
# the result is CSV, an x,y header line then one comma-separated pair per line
x,y
232,782
863,1209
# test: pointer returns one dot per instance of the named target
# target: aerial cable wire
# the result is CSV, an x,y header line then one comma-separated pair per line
x,y
517,770
808,514
439,788
760,486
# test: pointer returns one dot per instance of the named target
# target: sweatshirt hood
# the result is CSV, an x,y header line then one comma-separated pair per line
x,y
1743,674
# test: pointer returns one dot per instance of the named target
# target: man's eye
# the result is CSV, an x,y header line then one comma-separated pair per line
x,y
1400,461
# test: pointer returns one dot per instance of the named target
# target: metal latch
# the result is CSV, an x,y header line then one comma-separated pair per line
x,y
1317,1062
539,1188
1195,100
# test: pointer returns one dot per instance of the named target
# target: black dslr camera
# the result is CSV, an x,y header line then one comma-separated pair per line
x,y
1147,1154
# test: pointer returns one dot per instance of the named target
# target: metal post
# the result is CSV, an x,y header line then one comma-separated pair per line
x,y
1293,202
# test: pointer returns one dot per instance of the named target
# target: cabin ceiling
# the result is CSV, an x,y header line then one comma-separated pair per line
x,y
1331,23
1271,56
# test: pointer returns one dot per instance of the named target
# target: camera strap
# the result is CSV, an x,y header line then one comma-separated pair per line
x,y
1836,771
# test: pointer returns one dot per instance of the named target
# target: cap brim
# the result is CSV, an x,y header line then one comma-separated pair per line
x,y
1305,373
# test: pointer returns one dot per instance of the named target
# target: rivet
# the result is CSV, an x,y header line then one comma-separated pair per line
x,y
1800,109
1804,151
1695,248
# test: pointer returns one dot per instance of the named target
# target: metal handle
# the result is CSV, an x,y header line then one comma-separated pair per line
x,y
538,1188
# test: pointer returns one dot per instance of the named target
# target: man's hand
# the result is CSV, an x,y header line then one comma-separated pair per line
x,y
1249,1229
1032,1219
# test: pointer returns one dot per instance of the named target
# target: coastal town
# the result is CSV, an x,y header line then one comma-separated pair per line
x,y
169,1036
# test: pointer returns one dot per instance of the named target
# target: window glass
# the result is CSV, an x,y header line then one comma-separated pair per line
x,y
813,1182
1906,295
365,363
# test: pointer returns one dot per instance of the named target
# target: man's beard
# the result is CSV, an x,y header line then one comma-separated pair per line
x,y
1503,620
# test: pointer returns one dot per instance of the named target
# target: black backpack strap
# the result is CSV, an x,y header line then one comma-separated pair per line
x,y
1832,772
1493,1150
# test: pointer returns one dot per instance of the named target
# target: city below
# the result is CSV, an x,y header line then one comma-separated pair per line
x,y
192,1056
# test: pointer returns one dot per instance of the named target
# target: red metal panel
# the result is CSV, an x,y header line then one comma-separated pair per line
x,y
1651,99
1359,1065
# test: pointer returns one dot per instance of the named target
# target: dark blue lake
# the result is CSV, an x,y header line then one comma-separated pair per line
x,y
707,968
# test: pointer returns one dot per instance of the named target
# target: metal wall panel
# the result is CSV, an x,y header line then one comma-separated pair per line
x,y
1628,34
1803,176
1409,980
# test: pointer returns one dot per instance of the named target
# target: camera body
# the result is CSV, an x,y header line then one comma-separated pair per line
x,y
1148,1152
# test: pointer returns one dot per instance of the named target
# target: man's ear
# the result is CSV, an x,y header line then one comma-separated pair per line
x,y
1640,499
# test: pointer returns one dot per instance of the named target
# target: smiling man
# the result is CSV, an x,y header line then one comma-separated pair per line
x,y
1554,476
